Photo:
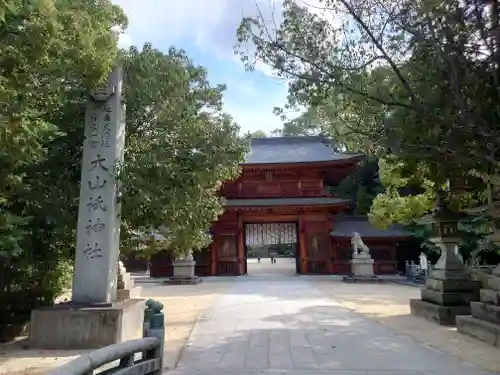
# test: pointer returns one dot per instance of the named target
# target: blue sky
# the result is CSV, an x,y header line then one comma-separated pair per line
x,y
206,29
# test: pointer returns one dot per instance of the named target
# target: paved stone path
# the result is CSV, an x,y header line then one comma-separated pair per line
x,y
284,325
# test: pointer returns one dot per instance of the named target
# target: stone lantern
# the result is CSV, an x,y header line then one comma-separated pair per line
x,y
443,223
449,289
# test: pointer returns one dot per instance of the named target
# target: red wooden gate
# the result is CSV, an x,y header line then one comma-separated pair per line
x,y
227,254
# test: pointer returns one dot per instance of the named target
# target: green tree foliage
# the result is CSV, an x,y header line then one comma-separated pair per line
x,y
306,124
407,195
180,147
361,186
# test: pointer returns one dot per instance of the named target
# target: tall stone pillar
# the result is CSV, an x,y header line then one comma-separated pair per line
x,y
98,229
93,318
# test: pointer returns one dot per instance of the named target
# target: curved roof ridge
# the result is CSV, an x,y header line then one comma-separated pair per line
x,y
345,225
288,138
351,217
294,149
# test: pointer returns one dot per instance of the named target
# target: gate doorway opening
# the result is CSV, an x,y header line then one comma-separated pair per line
x,y
271,248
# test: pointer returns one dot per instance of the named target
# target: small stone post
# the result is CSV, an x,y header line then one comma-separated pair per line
x,y
156,326
413,270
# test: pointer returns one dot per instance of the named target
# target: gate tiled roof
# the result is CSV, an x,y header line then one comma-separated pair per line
x,y
263,202
344,226
305,149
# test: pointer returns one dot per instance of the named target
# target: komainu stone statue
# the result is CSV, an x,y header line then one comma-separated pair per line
x,y
358,244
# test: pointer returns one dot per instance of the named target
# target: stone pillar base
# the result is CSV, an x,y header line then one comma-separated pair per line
x,y
71,327
183,280
448,292
443,315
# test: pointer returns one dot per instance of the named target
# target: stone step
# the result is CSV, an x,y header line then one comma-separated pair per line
x,y
126,294
448,299
479,329
451,286
494,282
125,284
455,275
123,277
490,296
485,311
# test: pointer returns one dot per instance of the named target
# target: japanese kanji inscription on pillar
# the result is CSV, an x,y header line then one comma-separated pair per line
x,y
98,231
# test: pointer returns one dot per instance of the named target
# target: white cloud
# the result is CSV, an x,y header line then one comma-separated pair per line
x,y
212,26
211,23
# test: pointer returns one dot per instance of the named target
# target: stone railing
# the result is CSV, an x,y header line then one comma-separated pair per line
x,y
415,273
126,353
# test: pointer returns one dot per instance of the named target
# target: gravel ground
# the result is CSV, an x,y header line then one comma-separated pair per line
x,y
389,304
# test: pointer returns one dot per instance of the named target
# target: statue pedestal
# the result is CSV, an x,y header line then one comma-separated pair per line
x,y
484,321
362,266
362,270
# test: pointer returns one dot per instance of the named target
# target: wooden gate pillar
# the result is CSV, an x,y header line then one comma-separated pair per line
x,y
331,250
302,246
213,257
241,245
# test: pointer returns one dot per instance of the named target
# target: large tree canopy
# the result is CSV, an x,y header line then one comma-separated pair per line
x,y
180,147
47,55
414,79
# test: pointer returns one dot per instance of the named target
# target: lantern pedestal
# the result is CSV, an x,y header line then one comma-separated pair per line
x,y
483,323
184,272
448,290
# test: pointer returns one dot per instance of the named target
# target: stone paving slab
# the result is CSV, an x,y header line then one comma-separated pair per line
x,y
287,326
